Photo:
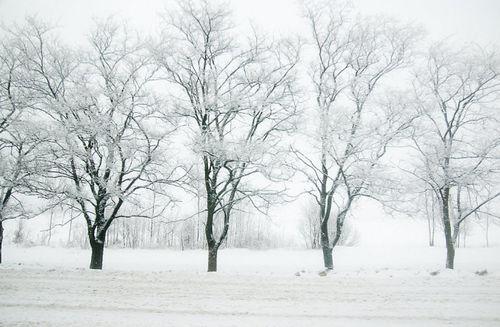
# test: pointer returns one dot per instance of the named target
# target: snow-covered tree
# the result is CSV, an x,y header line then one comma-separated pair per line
x,y
19,135
457,139
106,138
239,98
350,57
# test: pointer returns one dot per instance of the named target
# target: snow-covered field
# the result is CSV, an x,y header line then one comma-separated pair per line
x,y
372,286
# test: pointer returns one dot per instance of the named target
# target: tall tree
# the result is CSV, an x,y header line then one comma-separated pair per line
x,y
457,143
106,144
19,136
349,60
239,97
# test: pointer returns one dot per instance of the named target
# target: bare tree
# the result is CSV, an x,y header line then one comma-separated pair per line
x,y
350,59
106,149
240,98
457,138
19,136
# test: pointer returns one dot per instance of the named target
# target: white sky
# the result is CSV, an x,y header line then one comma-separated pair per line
x,y
463,20
466,20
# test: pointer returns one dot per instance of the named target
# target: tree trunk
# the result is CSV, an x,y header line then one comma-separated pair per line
x,y
328,257
212,258
212,249
338,231
450,256
450,246
97,255
211,243
1,239
97,247
325,245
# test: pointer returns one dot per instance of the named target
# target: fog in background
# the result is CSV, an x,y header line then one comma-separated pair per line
x,y
462,20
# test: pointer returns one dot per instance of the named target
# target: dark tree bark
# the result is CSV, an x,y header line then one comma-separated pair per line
x,y
328,250
450,246
209,227
325,210
97,235
325,245
338,231
97,247
213,206
211,243
212,259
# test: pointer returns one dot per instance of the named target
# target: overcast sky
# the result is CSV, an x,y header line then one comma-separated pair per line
x,y
465,20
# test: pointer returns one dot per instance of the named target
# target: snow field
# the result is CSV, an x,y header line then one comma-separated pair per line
x,y
371,287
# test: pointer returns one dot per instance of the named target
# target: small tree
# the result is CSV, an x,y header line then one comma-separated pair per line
x,y
240,98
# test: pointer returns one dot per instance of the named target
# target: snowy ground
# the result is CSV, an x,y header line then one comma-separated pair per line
x,y
377,286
